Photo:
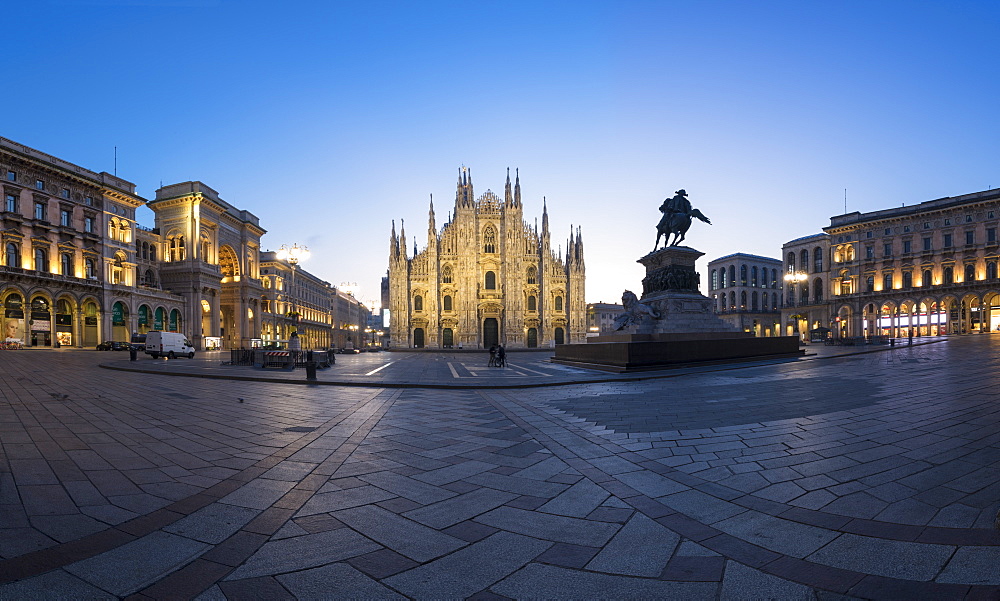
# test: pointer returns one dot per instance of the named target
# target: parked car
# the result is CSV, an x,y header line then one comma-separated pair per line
x,y
113,345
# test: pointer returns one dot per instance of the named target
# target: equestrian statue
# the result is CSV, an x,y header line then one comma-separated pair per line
x,y
676,220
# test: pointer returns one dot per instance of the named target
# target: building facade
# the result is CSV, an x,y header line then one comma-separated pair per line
x,y
924,270
746,291
77,269
601,318
806,280
487,277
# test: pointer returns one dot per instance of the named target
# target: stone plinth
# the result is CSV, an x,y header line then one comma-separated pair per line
x,y
671,288
686,329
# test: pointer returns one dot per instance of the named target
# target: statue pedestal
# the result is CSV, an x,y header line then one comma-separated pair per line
x,y
686,331
671,287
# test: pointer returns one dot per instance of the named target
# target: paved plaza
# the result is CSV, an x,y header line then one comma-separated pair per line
x,y
840,475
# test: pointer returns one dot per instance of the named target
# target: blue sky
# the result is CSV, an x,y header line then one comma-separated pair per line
x,y
330,119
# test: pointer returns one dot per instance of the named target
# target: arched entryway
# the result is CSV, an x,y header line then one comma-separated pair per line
x,y
145,317
491,332
91,331
40,321
532,337
13,306
119,322
175,323
418,338
64,322
159,319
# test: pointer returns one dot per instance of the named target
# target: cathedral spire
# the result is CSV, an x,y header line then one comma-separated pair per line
x,y
431,226
507,197
393,242
402,236
545,218
517,188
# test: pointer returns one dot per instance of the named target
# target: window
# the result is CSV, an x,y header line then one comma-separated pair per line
x,y
868,234
11,176
887,250
418,303
722,278
66,264
805,260
743,300
64,193
88,200
925,279
532,304
491,280
732,275
558,303
927,244
489,240
870,284
991,234
948,276
41,260
743,276
804,293
947,221
818,290
970,273
991,270
927,225
715,279
40,211
906,228
446,276
11,206
65,218
88,224
888,231
91,269
990,215
970,237
13,258
947,240
907,247
968,218
753,276
817,260
532,275
447,302
887,281
907,280
869,252
39,184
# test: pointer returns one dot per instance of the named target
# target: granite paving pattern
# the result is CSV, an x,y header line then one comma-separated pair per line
x,y
868,475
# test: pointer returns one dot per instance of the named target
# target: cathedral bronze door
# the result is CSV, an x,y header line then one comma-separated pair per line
x,y
447,338
532,338
491,332
560,338
418,338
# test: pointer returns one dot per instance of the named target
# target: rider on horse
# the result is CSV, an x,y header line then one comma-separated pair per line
x,y
676,220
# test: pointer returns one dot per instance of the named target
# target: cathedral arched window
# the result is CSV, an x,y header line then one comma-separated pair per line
x,y
489,239
418,303
447,302
491,280
446,276
532,304
559,303
532,275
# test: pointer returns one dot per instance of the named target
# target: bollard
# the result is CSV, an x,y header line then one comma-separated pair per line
x,y
132,354
310,370
892,342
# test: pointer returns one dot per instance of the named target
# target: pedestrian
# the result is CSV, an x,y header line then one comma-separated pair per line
x,y
493,356
501,356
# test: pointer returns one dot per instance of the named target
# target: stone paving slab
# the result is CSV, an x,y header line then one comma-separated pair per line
x,y
716,482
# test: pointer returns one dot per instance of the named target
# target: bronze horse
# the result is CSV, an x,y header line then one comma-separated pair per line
x,y
676,223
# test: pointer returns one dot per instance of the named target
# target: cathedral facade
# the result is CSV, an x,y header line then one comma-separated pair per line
x,y
487,277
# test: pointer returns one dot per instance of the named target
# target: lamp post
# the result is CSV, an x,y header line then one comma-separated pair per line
x,y
793,278
292,255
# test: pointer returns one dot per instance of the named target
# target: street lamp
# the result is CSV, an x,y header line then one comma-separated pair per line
x,y
292,255
795,277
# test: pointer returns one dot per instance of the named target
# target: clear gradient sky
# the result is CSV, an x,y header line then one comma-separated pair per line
x,y
329,119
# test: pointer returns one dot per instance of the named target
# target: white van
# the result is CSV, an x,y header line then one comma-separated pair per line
x,y
168,344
